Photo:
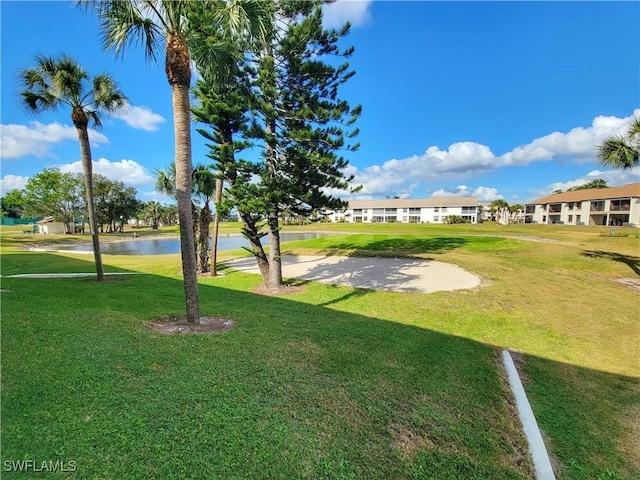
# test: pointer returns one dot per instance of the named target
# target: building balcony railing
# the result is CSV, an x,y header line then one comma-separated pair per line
x,y
597,208
621,208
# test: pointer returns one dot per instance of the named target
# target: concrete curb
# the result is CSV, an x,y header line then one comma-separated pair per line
x,y
537,449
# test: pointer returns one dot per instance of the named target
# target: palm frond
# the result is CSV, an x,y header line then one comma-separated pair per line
x,y
204,181
124,23
106,94
165,180
616,152
36,103
94,117
67,79
632,134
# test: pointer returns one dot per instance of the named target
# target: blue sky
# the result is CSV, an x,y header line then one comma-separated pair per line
x,y
492,99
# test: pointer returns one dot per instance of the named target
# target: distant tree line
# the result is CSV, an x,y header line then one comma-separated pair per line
x,y
61,195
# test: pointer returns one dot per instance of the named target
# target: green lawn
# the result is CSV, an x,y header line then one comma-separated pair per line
x,y
331,382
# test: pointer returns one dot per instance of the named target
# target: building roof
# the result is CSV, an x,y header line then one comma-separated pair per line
x,y
416,202
632,190
45,220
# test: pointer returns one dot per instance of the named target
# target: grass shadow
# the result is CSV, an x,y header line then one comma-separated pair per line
x,y
631,261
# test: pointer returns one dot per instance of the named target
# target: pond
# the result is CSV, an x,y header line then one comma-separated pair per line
x,y
159,246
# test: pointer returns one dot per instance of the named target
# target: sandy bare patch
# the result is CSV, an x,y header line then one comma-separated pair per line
x,y
180,326
373,273
633,283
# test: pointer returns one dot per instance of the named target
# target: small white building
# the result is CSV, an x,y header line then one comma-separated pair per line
x,y
421,210
48,226
615,206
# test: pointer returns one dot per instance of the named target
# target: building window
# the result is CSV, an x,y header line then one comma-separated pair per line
x,y
570,219
357,211
436,218
620,205
444,209
404,210
414,219
365,218
415,211
436,209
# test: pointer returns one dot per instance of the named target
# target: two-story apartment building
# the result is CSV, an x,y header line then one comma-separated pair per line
x,y
615,206
422,210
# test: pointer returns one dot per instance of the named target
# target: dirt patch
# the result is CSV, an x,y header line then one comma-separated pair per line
x,y
283,290
633,283
179,326
407,441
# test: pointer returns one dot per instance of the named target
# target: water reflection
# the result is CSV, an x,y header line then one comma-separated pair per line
x,y
159,246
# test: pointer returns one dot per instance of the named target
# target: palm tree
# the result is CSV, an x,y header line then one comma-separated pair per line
x,y
62,81
622,151
204,186
149,22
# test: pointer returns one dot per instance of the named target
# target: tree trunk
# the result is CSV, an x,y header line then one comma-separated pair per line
x,y
178,73
203,239
80,121
182,130
256,246
216,227
274,278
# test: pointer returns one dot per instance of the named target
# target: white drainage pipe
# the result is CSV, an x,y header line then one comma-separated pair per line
x,y
541,462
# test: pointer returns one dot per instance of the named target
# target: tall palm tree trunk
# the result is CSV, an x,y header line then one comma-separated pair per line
x,y
182,130
178,70
80,121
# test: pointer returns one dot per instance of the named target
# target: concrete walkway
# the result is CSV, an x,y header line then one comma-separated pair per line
x,y
64,275
394,274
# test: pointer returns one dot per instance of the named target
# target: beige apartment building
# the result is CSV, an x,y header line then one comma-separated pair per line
x,y
615,206
421,210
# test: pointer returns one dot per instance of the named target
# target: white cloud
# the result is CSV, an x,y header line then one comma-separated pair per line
x,y
12,182
614,178
484,194
466,159
140,118
354,11
127,171
17,141
578,144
